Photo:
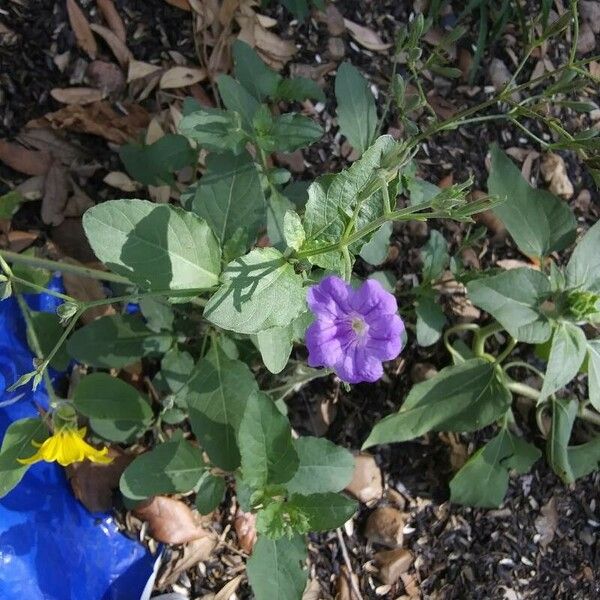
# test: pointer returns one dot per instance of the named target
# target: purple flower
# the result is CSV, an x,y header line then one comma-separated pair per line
x,y
354,330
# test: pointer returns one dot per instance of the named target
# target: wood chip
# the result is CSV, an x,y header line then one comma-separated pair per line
x,y
366,37
113,18
119,49
393,563
177,77
82,30
77,95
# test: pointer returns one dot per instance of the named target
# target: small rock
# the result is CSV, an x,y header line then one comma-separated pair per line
x,y
587,39
583,201
336,48
366,484
393,563
385,526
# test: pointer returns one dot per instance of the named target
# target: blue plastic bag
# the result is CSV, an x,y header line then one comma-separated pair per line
x,y
51,547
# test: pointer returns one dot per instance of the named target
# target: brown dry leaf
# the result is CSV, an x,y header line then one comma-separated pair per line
x,y
229,588
367,484
554,172
293,160
99,119
195,552
385,526
32,188
393,563
21,240
86,289
154,131
70,238
177,77
183,4
312,591
113,18
458,450
29,162
121,181
139,69
547,523
77,95
78,203
334,20
442,107
512,263
344,585
93,483
171,521
119,49
366,37
56,194
82,30
245,529
105,76
53,143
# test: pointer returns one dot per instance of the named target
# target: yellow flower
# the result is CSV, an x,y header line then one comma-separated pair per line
x,y
67,446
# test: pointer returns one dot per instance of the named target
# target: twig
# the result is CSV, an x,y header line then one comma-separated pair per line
x,y
346,556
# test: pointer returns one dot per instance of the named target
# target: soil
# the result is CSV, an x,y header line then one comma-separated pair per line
x,y
542,543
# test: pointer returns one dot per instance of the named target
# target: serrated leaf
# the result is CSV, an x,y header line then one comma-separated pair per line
x,y
216,396
323,467
515,298
483,480
276,568
17,443
175,466
430,320
324,511
265,441
229,196
356,111
210,493
566,355
464,397
260,290
539,222
160,247
116,341
583,268
564,412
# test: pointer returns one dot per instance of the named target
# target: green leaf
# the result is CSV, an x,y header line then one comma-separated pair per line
x,y
48,331
229,196
101,396
277,207
356,111
332,199
293,230
564,412
464,397
430,320
483,480
175,466
593,347
298,89
122,432
237,99
584,458
210,493
292,131
116,341
275,346
9,203
583,268
375,251
323,467
256,77
276,568
160,247
17,443
539,222
260,290
298,8
216,397
265,441
324,511
158,314
154,164
176,368
434,255
515,298
566,355
212,128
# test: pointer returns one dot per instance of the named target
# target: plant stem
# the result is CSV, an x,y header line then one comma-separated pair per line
x,y
53,265
482,335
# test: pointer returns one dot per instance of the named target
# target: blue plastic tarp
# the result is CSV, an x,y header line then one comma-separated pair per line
x,y
51,547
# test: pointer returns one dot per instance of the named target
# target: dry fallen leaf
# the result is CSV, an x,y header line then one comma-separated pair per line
x,y
229,588
366,485
81,29
245,529
312,591
554,171
29,162
105,76
512,263
385,526
53,143
121,181
366,37
344,585
183,4
21,240
77,95
93,483
56,194
177,77
171,521
393,563
334,20
113,18
194,552
118,47
139,69
547,523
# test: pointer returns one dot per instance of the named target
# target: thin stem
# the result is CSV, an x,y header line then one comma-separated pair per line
x,y
455,329
53,265
575,40
506,352
521,364
522,127
388,104
41,288
482,335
